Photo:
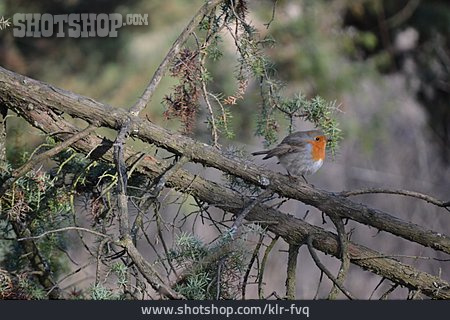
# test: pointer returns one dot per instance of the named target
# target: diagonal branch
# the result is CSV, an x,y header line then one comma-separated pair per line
x,y
62,230
18,92
174,50
407,193
345,264
325,270
42,157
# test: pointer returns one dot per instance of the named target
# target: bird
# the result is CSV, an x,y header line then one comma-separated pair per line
x,y
300,153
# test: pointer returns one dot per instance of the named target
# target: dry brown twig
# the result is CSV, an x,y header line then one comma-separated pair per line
x,y
44,156
262,267
46,233
325,270
345,261
402,192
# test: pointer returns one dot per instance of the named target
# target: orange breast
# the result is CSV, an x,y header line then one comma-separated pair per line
x,y
318,148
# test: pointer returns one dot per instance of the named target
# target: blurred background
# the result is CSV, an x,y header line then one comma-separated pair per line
x,y
386,63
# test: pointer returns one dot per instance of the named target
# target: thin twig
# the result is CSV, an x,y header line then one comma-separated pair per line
x,y
385,295
241,216
325,270
122,181
274,294
148,271
214,130
173,52
390,256
263,266
407,193
168,174
99,256
68,276
250,265
318,285
267,24
222,108
343,247
44,156
376,287
404,14
62,230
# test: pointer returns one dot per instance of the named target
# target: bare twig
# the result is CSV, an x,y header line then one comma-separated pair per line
x,y
263,266
44,156
404,14
343,247
148,271
318,285
222,108
3,115
291,284
407,193
376,287
240,217
167,175
214,130
99,261
395,256
122,182
250,265
62,230
272,18
319,264
274,294
385,295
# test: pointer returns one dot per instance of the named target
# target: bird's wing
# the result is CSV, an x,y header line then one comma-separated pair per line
x,y
295,139
281,150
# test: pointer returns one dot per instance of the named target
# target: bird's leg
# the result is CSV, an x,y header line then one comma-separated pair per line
x,y
310,184
290,176
294,177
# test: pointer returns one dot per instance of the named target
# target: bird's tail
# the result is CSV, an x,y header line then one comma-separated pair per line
x,y
258,153
266,152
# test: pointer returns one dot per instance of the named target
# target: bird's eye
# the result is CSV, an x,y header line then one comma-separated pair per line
x,y
317,138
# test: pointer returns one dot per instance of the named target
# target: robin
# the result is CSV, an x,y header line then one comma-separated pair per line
x,y
300,153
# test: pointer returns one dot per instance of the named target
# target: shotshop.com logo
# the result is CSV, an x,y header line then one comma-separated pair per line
x,y
74,25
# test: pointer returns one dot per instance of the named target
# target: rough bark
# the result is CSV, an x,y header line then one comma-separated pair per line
x,y
42,106
24,95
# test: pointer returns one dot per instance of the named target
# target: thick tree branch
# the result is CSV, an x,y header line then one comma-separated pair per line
x,y
18,93
22,94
